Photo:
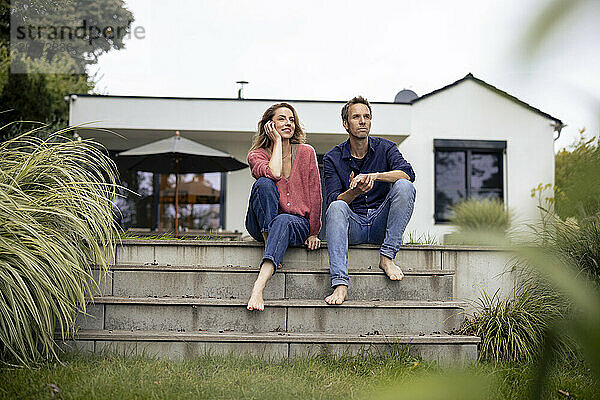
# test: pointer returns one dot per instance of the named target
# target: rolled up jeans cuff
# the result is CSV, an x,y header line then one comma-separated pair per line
x,y
339,281
388,252
270,258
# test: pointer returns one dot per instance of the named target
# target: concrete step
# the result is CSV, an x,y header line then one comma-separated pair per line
x,y
445,349
214,253
293,282
474,268
288,315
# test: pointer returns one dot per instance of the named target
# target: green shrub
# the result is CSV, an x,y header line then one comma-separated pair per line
x,y
479,215
578,179
576,243
513,329
519,328
56,220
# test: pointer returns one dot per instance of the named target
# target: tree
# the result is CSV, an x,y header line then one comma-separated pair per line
x,y
95,28
28,98
37,97
51,74
577,179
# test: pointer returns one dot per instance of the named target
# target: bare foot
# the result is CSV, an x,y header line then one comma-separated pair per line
x,y
256,301
391,270
339,295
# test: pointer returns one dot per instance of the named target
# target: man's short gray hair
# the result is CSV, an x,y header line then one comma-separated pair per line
x,y
355,100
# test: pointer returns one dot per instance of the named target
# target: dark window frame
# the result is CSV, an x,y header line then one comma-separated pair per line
x,y
468,146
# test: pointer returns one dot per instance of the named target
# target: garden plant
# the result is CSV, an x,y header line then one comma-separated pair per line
x,y
56,221
479,214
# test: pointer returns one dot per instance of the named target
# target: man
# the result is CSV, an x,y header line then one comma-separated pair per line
x,y
370,197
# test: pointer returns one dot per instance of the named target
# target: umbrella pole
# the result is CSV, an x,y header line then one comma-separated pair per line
x,y
176,197
176,204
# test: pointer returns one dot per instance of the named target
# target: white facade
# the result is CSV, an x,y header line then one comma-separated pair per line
x,y
469,109
474,112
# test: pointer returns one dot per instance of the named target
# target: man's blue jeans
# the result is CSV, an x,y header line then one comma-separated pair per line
x,y
284,229
384,225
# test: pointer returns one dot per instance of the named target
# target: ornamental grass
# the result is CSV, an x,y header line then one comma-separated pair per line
x,y
56,221
482,214
513,328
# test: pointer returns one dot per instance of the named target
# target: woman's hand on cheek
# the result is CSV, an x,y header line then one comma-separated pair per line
x,y
271,131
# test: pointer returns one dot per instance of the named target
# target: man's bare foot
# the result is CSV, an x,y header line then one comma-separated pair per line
x,y
391,270
339,295
256,301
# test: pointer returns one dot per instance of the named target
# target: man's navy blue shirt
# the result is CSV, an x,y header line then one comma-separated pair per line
x,y
383,155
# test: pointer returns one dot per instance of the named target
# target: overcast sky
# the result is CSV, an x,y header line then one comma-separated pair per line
x,y
335,49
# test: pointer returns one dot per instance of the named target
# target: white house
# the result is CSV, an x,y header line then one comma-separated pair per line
x,y
465,139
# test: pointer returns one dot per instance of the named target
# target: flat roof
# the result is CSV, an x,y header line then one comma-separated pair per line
x,y
469,76
229,99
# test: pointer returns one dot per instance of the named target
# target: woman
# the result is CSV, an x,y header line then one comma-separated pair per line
x,y
285,202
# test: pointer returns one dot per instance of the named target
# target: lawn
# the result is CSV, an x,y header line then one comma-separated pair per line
x,y
228,377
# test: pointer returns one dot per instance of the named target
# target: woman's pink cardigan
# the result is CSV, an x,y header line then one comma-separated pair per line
x,y
300,194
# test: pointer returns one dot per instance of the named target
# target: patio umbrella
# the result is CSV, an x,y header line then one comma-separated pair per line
x,y
177,155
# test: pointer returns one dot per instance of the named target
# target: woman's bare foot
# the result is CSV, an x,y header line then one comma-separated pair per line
x,y
391,270
256,301
339,295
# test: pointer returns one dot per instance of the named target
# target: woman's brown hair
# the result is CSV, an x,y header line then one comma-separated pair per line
x,y
261,139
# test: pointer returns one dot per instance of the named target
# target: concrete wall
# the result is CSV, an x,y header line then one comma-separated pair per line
x,y
473,112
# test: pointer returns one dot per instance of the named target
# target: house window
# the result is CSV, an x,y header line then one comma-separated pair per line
x,y
199,201
149,203
467,169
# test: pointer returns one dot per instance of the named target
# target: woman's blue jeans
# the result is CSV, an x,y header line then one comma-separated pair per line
x,y
384,225
284,229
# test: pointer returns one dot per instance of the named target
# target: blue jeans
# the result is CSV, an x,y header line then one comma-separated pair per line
x,y
284,229
384,225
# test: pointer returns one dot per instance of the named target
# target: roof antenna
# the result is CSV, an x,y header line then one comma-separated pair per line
x,y
241,83
558,127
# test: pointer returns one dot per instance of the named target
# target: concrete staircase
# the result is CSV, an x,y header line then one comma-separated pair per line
x,y
180,299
